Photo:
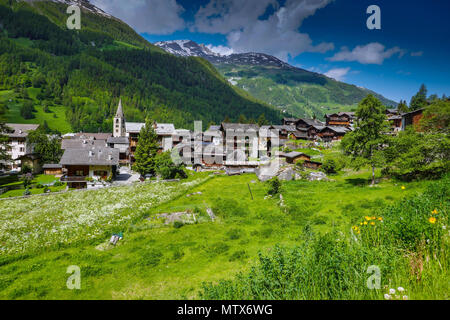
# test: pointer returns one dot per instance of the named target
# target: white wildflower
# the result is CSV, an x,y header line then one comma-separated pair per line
x,y
391,291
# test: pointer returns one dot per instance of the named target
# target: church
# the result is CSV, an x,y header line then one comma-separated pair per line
x,y
126,135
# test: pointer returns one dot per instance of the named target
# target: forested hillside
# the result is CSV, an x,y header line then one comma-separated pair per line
x,y
46,68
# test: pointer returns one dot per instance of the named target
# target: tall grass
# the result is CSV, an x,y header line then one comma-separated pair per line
x,y
410,250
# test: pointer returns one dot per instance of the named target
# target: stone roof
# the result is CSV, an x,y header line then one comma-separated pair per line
x,y
20,130
240,126
118,140
81,143
161,128
93,136
91,156
337,129
293,154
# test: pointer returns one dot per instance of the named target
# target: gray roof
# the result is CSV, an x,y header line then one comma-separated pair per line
x,y
293,154
20,130
161,128
350,114
93,136
92,156
337,129
300,134
312,122
52,166
81,143
118,140
240,126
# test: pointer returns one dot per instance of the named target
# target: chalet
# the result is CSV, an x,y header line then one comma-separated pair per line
x,y
304,123
396,122
412,118
290,121
54,169
315,165
313,131
299,134
18,145
293,157
340,119
81,165
330,133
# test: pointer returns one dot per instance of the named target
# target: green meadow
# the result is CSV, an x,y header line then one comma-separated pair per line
x,y
155,260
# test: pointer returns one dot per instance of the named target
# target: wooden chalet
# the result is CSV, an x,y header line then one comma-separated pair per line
x,y
54,169
412,118
294,156
331,133
81,165
340,119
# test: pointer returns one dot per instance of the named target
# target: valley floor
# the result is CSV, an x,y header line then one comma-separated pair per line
x,y
41,237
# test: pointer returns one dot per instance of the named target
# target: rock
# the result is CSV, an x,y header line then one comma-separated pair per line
x,y
317,176
286,174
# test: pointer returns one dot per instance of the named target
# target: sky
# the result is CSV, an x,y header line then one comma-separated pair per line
x,y
325,36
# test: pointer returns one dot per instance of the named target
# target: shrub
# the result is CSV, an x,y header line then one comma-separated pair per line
x,y
58,184
329,166
178,224
274,186
238,255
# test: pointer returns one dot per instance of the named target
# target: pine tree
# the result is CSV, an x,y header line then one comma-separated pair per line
x,y
366,141
402,107
419,100
242,119
146,150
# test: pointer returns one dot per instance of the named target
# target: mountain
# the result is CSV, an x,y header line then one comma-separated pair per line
x,y
72,79
290,89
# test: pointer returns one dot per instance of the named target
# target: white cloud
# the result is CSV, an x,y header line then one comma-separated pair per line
x,y
146,16
277,35
372,53
417,54
222,50
337,73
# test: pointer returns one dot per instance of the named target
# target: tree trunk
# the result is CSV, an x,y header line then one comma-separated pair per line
x,y
373,174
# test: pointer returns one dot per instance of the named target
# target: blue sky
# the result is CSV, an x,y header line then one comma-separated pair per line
x,y
325,36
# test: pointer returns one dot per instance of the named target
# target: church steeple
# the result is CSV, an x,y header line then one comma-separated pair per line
x,y
119,122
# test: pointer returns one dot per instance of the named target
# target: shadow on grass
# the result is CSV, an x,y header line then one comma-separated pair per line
x,y
357,181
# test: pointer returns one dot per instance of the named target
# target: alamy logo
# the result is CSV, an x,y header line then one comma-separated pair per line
x,y
74,21
374,21
374,281
74,281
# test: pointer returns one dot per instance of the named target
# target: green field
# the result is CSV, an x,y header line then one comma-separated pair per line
x,y
158,261
39,179
56,118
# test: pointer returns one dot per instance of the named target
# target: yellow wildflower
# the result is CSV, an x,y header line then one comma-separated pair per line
x,y
432,220
355,228
403,188
373,218
368,218
380,218
365,222
434,211
372,223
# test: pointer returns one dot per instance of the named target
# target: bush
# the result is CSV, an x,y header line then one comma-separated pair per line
x,y
165,167
274,186
27,192
178,224
329,166
58,184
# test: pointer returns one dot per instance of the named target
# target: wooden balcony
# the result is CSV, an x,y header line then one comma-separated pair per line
x,y
73,179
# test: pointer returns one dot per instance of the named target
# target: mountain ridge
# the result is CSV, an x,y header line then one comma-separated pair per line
x,y
290,89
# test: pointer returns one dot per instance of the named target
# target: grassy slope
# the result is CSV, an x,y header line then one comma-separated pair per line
x,y
13,113
298,91
161,262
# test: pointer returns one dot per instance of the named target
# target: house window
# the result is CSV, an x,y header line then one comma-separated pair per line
x,y
79,173
22,149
